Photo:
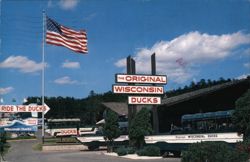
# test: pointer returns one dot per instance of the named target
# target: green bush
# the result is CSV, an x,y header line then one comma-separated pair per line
x,y
139,127
111,129
212,152
149,151
121,151
244,147
130,150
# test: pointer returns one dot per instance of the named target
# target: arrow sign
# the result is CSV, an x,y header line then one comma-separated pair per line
x,y
24,108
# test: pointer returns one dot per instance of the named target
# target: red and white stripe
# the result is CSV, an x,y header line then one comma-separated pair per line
x,y
74,40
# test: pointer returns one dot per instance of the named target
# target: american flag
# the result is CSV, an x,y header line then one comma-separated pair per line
x,y
63,36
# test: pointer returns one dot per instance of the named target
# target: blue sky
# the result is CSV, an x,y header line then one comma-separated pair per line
x,y
192,39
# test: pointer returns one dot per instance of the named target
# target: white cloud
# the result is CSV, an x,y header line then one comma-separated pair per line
x,y
71,65
243,76
21,63
68,4
247,65
6,90
65,80
181,57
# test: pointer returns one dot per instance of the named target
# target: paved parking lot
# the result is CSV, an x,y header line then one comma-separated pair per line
x,y
21,151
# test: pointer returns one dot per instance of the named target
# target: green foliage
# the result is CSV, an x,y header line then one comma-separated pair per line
x,y
1,147
149,151
3,137
121,151
195,86
244,146
3,144
111,128
212,152
241,116
37,147
130,150
140,127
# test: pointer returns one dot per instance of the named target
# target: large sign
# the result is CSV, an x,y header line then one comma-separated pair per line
x,y
24,108
146,79
138,89
144,100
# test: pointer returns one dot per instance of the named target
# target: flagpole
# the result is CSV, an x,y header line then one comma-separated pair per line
x,y
43,76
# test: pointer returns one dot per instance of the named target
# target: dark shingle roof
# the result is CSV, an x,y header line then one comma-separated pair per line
x,y
121,108
197,93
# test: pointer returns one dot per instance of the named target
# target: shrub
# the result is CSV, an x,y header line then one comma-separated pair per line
x,y
130,150
111,129
241,115
244,147
149,151
212,152
121,151
140,126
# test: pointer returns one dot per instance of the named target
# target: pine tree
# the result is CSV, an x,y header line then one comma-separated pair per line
x,y
111,129
241,116
140,127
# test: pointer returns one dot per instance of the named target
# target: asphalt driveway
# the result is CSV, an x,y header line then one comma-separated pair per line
x,y
21,151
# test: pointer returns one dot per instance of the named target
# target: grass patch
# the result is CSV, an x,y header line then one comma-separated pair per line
x,y
37,147
60,140
6,148
22,138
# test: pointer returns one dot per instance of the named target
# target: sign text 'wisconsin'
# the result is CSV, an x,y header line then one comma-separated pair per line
x,y
138,89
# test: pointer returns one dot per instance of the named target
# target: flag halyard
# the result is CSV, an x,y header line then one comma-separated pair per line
x,y
59,35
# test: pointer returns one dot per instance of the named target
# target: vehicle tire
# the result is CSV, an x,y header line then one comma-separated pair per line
x,y
164,153
93,146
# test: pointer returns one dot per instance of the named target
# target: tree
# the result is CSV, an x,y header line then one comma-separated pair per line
x,y
1,150
2,144
140,127
241,116
111,129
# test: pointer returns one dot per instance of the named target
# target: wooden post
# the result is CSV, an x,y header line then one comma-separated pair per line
x,y
154,107
131,70
134,110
